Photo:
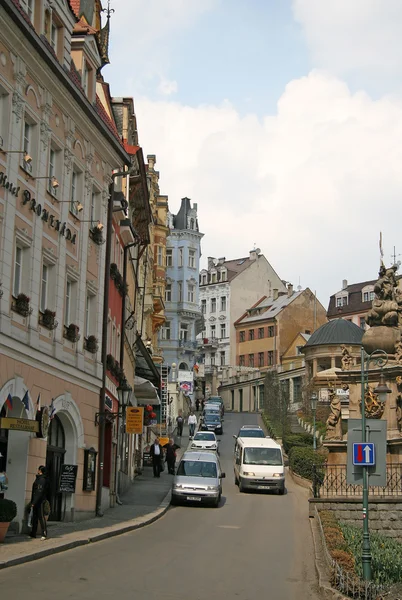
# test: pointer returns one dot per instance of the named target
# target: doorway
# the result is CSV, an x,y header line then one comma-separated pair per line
x,y
56,449
240,400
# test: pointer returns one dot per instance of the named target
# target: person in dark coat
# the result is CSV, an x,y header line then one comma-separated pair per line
x,y
38,498
157,457
171,456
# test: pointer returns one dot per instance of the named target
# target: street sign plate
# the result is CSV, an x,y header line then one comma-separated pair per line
x,y
376,434
364,454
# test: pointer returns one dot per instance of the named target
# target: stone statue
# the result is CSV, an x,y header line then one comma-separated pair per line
x,y
385,307
398,353
346,360
399,403
334,422
374,409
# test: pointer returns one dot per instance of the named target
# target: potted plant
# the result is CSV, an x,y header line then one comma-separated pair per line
x,y
123,288
97,235
8,511
91,344
22,305
110,363
49,319
72,332
114,271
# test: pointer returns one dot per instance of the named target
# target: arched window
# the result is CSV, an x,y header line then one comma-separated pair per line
x,y
183,366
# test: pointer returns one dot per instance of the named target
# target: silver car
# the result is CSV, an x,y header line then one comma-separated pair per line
x,y
205,440
198,478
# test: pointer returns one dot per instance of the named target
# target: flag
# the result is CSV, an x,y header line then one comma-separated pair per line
x,y
52,409
25,401
9,402
38,403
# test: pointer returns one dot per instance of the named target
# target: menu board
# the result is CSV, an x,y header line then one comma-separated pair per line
x,y
68,477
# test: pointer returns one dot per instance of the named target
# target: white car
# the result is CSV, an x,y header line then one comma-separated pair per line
x,y
205,440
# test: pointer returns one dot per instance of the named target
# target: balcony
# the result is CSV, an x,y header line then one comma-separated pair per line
x,y
188,344
208,343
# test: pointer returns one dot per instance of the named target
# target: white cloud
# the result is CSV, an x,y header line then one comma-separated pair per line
x,y
353,35
167,87
311,185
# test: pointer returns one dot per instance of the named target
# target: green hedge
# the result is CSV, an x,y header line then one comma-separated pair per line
x,y
296,439
386,562
302,459
274,429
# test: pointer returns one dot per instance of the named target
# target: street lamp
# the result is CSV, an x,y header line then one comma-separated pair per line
x,y
124,393
379,358
313,401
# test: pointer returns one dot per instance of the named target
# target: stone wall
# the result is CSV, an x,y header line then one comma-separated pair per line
x,y
385,514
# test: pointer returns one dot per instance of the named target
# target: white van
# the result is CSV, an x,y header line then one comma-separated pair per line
x,y
258,465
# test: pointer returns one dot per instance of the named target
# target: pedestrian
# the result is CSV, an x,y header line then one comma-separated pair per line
x,y
180,423
192,422
40,489
157,455
197,405
171,456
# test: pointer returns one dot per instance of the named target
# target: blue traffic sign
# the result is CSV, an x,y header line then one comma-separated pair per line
x,y
364,454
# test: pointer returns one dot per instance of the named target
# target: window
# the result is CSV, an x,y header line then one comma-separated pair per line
x,y
73,196
299,350
223,358
180,291
367,296
341,301
213,331
85,76
17,270
27,146
223,275
260,333
251,360
242,336
88,315
94,205
270,357
169,257
166,331
261,359
67,305
213,304
168,292
180,257
183,331
53,36
204,280
213,277
362,322
251,334
160,256
191,259
213,358
53,165
191,223
44,287
28,6
190,293
223,330
241,360
271,331
223,303
203,306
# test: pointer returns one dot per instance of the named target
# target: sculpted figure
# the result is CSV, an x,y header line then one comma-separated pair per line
x,y
334,423
346,360
385,307
374,409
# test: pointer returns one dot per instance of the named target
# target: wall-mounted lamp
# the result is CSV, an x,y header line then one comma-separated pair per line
x,y
52,180
27,157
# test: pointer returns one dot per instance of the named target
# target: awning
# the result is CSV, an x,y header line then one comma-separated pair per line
x,y
144,365
145,392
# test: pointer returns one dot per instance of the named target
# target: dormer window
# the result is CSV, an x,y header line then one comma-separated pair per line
x,y
223,275
213,278
341,301
52,31
28,6
85,76
368,294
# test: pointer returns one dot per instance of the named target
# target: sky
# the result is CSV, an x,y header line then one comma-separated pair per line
x,y
281,119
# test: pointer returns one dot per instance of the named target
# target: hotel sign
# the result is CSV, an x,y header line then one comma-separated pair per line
x,y
19,424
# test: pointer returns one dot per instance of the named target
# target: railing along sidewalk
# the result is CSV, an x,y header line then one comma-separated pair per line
x,y
331,481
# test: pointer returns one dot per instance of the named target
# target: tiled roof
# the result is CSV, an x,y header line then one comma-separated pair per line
x,y
75,7
270,308
106,119
336,332
236,266
83,27
22,12
131,149
355,303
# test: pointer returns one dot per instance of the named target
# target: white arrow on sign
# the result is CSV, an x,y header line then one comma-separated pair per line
x,y
367,452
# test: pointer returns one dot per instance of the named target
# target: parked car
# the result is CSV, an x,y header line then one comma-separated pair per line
x,y
212,422
250,431
212,408
217,400
215,404
198,478
205,440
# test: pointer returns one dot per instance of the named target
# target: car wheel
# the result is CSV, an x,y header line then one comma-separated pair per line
x,y
173,501
281,490
241,486
217,502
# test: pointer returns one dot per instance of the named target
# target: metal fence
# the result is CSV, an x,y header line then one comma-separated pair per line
x,y
330,481
345,582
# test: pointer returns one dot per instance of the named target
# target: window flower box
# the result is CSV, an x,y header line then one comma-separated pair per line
x,y
21,305
48,319
71,332
91,344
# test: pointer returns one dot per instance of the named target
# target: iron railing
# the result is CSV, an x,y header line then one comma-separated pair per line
x,y
330,481
344,581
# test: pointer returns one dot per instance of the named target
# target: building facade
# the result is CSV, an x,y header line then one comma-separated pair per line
x,y
58,150
183,317
352,302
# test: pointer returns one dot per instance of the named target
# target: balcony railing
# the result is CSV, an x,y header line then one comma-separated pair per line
x,y
329,481
190,344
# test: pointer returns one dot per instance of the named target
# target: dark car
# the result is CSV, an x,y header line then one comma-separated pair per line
x,y
216,400
212,422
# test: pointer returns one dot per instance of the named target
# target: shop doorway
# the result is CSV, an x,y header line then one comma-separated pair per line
x,y
56,449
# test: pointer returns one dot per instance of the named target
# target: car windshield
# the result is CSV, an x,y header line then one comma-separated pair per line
x,y
211,417
258,433
215,411
204,437
262,456
197,468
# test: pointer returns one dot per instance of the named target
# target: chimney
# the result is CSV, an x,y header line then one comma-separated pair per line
x,y
151,158
221,260
254,253
344,284
275,293
195,206
211,262
290,290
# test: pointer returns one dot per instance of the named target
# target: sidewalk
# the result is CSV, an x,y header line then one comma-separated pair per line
x,y
146,501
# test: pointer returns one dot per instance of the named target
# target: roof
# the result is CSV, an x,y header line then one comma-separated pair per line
x,y
236,266
75,6
270,307
337,331
180,220
203,455
306,336
355,303
258,442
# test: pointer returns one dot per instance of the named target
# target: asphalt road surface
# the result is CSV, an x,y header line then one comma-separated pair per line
x,y
254,546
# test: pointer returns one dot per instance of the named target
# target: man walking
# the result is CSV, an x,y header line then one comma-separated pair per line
x,y
39,493
180,423
156,455
192,422
171,456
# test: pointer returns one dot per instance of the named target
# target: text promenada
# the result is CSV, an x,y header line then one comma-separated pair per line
x,y
47,217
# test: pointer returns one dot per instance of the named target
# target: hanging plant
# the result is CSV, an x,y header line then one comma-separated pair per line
x,y
48,319
91,344
97,235
22,305
72,332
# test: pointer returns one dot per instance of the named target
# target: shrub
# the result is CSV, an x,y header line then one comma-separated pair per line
x,y
8,510
296,439
302,459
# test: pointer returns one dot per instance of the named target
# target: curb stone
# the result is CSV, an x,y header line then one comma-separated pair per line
x,y
113,531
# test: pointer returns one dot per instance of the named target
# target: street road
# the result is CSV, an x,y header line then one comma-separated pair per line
x,y
254,546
